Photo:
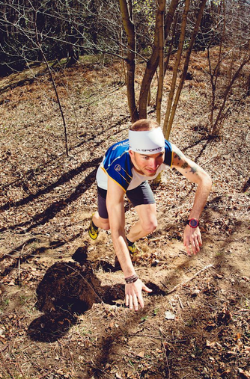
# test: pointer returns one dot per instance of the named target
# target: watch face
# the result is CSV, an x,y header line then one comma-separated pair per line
x,y
193,223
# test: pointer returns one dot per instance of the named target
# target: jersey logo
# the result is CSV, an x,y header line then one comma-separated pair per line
x,y
118,167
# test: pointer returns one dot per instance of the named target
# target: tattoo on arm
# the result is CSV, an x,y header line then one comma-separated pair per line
x,y
179,157
193,170
184,165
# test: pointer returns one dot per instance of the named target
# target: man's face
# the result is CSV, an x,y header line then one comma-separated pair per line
x,y
146,164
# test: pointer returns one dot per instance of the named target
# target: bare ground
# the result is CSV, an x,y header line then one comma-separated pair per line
x,y
62,310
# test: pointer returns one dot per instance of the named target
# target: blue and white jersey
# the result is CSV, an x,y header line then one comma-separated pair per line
x,y
117,164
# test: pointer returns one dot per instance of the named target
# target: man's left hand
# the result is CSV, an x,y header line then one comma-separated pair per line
x,y
192,240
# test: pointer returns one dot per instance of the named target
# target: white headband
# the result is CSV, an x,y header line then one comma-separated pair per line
x,y
147,142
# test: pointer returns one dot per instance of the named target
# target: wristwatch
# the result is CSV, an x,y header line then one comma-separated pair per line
x,y
193,223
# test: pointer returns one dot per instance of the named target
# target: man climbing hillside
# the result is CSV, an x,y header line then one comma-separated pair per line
x,y
126,168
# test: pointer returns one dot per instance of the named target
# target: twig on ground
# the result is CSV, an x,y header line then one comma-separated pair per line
x,y
183,284
6,367
180,302
156,239
165,353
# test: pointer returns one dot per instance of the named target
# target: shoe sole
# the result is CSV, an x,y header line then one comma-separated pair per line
x,y
91,236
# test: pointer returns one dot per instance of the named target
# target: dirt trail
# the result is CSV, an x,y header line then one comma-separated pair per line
x,y
195,324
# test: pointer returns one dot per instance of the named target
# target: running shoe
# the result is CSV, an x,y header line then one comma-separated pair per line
x,y
134,249
93,231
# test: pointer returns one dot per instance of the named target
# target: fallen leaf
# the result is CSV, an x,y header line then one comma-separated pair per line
x,y
238,336
141,354
111,325
169,315
3,339
218,276
210,344
118,376
244,374
247,349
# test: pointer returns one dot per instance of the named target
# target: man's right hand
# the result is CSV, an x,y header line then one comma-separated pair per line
x,y
133,294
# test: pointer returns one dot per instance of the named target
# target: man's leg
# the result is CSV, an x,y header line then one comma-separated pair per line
x,y
97,222
147,222
142,198
99,218
100,222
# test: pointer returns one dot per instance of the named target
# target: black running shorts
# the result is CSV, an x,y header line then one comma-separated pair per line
x,y
142,194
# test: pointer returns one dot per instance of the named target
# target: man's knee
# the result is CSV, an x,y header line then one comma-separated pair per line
x,y
105,224
149,226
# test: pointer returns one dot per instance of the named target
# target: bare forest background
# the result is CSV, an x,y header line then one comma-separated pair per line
x,y
146,33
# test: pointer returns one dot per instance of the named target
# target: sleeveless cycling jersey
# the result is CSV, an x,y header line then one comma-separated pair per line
x,y
117,164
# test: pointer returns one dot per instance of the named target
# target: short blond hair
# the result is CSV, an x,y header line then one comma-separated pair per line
x,y
143,125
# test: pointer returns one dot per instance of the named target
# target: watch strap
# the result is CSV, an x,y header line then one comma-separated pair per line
x,y
192,222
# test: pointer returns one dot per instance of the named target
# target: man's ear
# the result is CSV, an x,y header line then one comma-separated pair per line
x,y
131,153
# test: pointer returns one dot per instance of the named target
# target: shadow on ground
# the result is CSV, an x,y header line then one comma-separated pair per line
x,y
67,290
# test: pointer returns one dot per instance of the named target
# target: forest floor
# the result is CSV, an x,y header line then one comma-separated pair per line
x,y
62,312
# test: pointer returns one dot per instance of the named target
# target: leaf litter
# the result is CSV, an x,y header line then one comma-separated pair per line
x,y
46,203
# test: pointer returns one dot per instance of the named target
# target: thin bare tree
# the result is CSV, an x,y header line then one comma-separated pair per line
x,y
168,122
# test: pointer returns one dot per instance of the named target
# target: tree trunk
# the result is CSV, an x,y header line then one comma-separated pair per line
x,y
176,67
166,60
185,68
215,127
161,4
130,79
214,74
153,62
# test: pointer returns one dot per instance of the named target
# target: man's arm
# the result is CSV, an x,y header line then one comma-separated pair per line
x,y
115,206
195,174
